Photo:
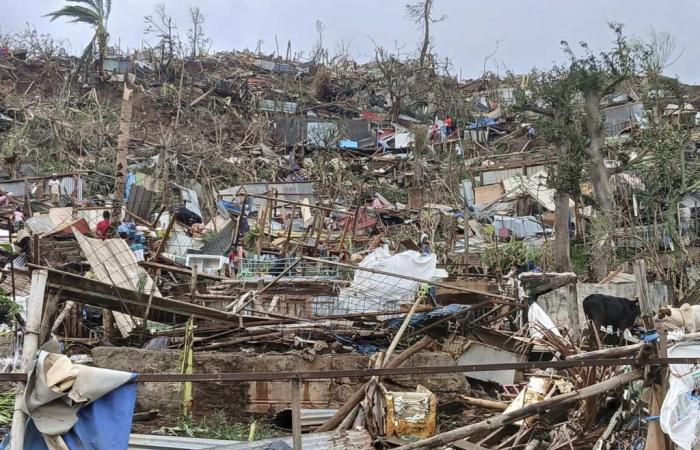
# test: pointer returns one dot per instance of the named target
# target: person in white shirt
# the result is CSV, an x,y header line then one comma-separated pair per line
x,y
55,189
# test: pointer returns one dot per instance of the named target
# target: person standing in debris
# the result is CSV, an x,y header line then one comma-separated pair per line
x,y
424,245
18,218
55,188
322,249
102,228
137,248
531,132
448,126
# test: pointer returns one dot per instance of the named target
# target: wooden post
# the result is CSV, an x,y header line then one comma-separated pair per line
x,y
35,305
193,284
288,233
239,220
296,414
640,275
164,239
122,155
572,309
359,394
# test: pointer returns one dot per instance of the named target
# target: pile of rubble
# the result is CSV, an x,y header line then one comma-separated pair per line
x,y
292,243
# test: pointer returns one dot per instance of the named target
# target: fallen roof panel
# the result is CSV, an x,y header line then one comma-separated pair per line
x,y
96,293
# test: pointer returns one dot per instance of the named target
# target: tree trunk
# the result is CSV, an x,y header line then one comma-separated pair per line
x,y
562,253
101,49
427,4
601,255
122,154
594,151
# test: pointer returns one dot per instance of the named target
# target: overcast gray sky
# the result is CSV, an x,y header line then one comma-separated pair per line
x,y
528,32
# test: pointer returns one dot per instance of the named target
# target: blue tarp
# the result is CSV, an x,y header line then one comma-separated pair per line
x,y
420,318
482,122
103,424
130,180
347,143
362,348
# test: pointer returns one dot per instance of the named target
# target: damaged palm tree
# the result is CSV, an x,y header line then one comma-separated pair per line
x,y
95,14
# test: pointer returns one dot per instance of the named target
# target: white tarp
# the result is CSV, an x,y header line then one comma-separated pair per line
x,y
376,292
680,412
57,389
534,186
536,315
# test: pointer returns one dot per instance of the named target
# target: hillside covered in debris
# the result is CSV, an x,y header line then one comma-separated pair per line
x,y
247,250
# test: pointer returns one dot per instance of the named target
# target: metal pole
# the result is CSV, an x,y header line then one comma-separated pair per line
x,y
12,258
296,414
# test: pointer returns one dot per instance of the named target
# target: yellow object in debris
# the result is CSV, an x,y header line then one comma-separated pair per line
x,y
411,414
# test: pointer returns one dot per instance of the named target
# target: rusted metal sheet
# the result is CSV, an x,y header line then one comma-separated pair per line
x,y
140,201
411,414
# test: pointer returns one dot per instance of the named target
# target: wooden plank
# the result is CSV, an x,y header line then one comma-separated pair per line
x,y
488,194
466,445
35,305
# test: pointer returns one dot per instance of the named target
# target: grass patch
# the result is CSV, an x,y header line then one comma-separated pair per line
x,y
218,426
579,260
7,407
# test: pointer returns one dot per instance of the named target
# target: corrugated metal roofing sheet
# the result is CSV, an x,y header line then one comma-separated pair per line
x,y
221,242
113,262
15,187
332,440
140,201
40,224
180,242
290,191
158,442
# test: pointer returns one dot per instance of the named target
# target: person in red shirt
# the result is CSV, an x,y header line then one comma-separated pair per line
x,y
103,225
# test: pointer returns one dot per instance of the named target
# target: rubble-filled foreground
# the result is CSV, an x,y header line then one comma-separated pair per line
x,y
244,251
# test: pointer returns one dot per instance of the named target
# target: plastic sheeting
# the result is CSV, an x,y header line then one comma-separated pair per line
x,y
422,318
375,292
526,226
536,315
680,412
77,407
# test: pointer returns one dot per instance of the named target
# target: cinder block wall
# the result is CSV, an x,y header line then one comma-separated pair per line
x,y
262,397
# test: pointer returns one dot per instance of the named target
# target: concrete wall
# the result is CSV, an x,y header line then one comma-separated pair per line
x,y
235,397
554,302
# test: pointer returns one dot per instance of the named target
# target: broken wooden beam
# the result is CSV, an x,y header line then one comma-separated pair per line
x,y
484,403
180,270
500,420
359,394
